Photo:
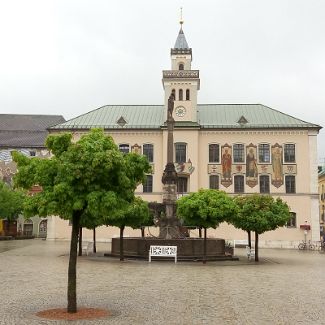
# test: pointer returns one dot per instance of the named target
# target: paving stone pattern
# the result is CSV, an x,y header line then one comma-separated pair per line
x,y
286,287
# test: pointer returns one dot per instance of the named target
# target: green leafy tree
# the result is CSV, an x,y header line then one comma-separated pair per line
x,y
135,215
11,202
89,178
260,213
206,209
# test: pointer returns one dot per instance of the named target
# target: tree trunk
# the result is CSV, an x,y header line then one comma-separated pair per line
x,y
142,232
80,241
256,247
200,232
72,271
249,239
121,243
205,246
94,240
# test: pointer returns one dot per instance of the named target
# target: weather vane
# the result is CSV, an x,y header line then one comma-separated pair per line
x,y
181,21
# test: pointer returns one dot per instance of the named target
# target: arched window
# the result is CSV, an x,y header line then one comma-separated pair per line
x,y
125,148
187,94
180,152
264,184
214,182
174,94
148,151
181,66
147,185
180,94
239,184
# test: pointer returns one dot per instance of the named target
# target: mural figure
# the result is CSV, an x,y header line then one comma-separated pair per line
x,y
226,164
251,166
277,167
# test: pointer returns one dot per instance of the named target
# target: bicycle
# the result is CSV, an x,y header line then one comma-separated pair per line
x,y
304,245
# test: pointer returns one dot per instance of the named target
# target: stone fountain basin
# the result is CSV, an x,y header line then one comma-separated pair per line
x,y
187,248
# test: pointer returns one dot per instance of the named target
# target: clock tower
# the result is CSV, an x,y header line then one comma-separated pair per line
x,y
182,81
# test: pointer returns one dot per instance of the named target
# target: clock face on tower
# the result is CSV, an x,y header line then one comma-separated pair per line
x,y
180,111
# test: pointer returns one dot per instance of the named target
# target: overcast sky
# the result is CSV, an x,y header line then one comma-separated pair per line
x,y
72,56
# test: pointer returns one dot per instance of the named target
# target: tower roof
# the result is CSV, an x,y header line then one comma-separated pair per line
x,y
181,42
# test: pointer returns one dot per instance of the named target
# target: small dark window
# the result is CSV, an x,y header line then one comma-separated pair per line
x,y
292,223
289,153
290,184
32,153
214,182
180,152
174,94
214,153
180,94
147,185
182,185
148,151
187,94
264,153
264,184
181,66
239,184
238,153
125,148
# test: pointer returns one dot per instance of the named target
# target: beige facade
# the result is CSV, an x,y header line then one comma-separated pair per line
x,y
276,156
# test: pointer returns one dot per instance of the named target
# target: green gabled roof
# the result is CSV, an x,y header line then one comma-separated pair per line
x,y
107,117
210,116
256,115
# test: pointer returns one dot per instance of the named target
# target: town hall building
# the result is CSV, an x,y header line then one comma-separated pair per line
x,y
237,148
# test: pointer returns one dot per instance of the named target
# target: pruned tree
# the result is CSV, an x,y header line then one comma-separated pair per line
x,y
84,179
260,213
135,214
206,209
11,202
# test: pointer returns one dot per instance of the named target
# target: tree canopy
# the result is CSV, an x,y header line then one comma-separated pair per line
x,y
260,213
86,179
206,208
11,202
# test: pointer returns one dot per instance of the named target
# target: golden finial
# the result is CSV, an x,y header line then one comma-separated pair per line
x,y
181,21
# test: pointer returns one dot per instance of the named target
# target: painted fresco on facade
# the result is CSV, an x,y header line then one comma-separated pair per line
x,y
251,166
226,163
290,169
136,149
185,168
277,167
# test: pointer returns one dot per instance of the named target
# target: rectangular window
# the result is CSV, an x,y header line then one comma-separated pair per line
x,y
147,185
180,152
125,148
214,182
290,184
238,153
264,153
239,184
182,185
292,223
264,184
214,153
289,153
148,151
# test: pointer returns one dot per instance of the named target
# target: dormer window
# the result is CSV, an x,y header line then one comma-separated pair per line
x,y
181,66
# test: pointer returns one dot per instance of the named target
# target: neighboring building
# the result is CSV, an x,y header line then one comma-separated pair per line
x,y
238,148
321,191
27,134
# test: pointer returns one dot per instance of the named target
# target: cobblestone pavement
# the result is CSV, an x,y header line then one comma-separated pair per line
x,y
286,287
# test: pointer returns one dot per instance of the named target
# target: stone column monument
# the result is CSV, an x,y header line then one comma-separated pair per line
x,y
169,224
